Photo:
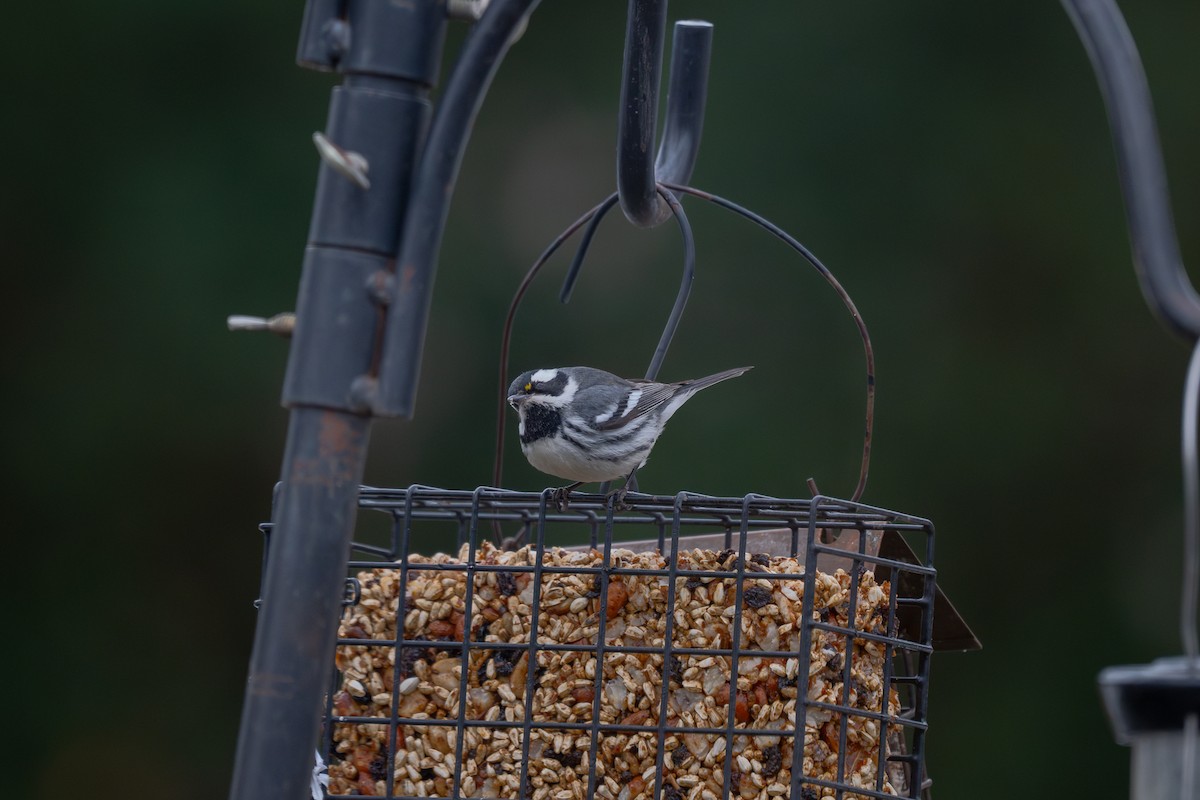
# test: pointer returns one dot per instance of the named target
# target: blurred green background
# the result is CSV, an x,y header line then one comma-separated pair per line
x,y
949,161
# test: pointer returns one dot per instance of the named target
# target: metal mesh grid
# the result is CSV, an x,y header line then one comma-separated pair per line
x,y
828,533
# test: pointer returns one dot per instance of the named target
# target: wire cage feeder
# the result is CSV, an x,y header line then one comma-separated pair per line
x,y
636,646
793,638
684,647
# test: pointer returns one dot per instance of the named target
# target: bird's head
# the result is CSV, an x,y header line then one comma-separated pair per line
x,y
552,387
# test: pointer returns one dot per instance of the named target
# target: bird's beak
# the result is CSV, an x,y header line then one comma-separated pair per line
x,y
515,400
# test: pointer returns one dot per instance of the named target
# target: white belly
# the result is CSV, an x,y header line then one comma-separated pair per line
x,y
555,456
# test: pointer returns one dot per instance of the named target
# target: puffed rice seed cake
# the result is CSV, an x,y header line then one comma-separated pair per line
x,y
429,679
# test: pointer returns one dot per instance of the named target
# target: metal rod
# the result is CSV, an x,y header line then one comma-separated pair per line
x,y
1156,256
601,582
685,285
691,51
803,703
735,648
433,185
1191,513
465,656
606,727
585,243
668,649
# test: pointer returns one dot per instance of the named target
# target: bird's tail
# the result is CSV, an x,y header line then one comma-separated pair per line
x,y
687,389
696,385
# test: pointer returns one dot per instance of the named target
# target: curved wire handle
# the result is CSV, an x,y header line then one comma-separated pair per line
x,y
596,215
843,295
591,219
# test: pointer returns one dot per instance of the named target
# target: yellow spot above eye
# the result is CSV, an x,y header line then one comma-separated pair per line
x,y
529,387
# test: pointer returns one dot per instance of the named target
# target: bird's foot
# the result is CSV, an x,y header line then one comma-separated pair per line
x,y
618,499
560,498
618,496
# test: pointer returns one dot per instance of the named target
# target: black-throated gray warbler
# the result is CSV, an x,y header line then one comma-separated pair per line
x,y
588,425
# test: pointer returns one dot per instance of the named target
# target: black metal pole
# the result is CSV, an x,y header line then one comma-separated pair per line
x,y
293,647
389,53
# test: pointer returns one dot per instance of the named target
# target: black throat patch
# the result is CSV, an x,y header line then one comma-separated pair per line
x,y
540,421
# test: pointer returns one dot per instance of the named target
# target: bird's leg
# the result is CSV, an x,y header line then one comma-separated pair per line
x,y
619,495
560,496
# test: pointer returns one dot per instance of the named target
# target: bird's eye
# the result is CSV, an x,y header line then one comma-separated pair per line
x,y
529,387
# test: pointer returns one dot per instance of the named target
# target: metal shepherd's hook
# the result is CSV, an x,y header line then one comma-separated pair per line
x,y
1155,707
637,175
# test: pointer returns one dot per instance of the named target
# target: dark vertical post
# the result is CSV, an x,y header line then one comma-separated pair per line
x,y
389,54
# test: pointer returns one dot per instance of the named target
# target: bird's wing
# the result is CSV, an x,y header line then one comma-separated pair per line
x,y
640,399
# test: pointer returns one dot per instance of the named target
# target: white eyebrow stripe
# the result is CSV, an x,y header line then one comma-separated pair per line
x,y
543,375
634,396
606,416
561,399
